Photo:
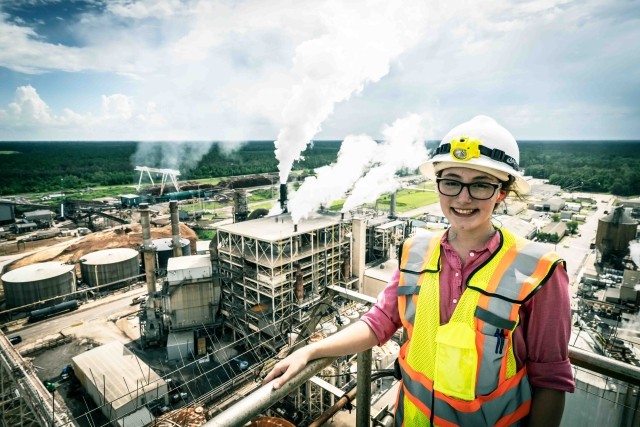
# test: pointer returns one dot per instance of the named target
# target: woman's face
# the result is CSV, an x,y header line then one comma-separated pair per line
x,y
466,214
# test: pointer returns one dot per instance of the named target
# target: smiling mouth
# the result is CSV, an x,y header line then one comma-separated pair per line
x,y
463,211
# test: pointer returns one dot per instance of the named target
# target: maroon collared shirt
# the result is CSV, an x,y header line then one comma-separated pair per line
x,y
541,338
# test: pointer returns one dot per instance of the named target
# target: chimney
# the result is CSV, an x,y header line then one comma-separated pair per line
x,y
342,216
299,284
283,197
148,249
359,234
392,205
295,228
175,229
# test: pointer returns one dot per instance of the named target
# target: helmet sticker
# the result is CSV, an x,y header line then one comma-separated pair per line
x,y
465,148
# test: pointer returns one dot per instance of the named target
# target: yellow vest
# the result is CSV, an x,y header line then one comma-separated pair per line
x,y
463,373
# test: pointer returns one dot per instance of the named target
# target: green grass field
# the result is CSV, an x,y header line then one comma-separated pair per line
x,y
406,200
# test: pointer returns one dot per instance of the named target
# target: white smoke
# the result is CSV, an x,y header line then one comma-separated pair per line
x,y
403,147
634,252
177,155
356,48
333,181
364,166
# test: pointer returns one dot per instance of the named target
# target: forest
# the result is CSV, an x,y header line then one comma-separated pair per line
x,y
31,167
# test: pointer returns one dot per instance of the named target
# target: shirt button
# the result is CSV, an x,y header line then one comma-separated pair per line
x,y
455,301
457,274
472,254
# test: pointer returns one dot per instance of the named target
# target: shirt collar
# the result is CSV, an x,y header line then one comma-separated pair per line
x,y
491,245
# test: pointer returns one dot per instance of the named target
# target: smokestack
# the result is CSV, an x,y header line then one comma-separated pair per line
x,y
148,249
299,284
283,198
392,206
175,229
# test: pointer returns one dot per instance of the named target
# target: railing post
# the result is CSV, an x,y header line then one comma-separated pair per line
x,y
363,395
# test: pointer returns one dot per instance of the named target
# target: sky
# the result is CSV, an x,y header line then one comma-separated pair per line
x,y
292,71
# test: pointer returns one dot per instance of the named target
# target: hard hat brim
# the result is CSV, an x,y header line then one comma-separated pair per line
x,y
441,162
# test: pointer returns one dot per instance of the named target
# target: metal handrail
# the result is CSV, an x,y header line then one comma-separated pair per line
x,y
263,398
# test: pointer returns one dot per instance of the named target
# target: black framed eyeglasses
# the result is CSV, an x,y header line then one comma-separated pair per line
x,y
477,190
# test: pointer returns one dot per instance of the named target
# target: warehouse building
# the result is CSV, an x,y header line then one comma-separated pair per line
x,y
120,384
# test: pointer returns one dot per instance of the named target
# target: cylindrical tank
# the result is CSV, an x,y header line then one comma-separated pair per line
x,y
164,250
352,314
316,336
109,265
614,233
329,328
269,422
38,282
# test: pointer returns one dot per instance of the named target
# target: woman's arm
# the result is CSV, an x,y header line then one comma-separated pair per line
x,y
547,406
353,339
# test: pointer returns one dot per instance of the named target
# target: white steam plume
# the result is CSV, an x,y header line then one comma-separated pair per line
x,y
333,181
403,148
176,155
634,252
357,48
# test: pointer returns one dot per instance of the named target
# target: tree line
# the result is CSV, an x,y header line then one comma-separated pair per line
x,y
34,167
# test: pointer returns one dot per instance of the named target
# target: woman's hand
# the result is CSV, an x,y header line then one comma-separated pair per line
x,y
288,367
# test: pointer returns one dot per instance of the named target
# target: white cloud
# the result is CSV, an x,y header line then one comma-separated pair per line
x,y
228,70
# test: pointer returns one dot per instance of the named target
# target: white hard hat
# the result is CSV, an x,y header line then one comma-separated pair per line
x,y
480,144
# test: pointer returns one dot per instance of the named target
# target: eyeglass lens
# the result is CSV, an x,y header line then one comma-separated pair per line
x,y
477,190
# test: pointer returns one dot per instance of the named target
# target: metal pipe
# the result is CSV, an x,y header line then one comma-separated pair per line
x,y
363,412
175,228
326,415
262,399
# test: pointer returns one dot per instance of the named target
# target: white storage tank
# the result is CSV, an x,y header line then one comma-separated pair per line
x,y
38,282
164,250
109,266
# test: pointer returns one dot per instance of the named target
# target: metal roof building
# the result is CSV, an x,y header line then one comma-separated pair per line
x,y
118,381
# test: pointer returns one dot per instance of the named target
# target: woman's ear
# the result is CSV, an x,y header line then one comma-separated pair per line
x,y
502,195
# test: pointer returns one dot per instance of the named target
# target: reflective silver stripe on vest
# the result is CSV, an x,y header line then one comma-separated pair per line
x,y
399,415
411,273
489,413
497,340
410,307
417,251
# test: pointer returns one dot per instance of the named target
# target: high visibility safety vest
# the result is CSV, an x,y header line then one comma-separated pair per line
x,y
463,373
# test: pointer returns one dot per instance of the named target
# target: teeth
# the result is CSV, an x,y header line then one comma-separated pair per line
x,y
464,211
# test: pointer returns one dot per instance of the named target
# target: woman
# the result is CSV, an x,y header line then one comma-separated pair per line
x,y
487,313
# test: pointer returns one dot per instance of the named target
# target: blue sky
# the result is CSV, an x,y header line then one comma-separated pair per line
x,y
256,69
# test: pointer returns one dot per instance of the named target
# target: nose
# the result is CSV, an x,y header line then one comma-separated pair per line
x,y
465,195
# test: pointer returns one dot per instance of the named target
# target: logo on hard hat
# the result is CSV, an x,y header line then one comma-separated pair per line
x,y
465,148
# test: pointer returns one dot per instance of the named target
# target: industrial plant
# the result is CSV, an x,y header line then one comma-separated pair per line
x,y
204,328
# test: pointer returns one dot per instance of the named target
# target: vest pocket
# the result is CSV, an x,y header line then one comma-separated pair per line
x,y
456,361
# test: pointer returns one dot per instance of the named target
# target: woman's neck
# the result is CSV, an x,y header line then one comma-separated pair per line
x,y
464,241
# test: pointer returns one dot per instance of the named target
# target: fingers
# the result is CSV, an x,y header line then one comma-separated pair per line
x,y
275,372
